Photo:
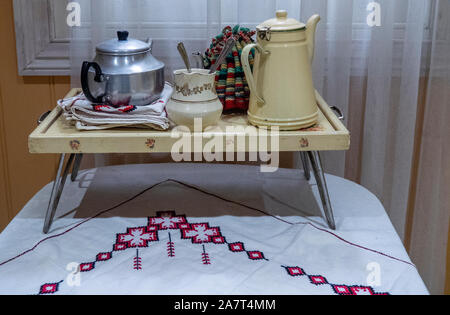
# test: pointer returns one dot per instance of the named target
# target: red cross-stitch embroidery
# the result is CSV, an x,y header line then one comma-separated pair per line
x,y
236,247
170,247
137,264
317,280
200,233
295,271
49,288
205,257
167,220
339,289
85,267
137,237
127,109
104,256
255,255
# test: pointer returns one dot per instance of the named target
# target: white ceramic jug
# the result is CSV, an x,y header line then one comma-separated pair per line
x,y
194,97
281,86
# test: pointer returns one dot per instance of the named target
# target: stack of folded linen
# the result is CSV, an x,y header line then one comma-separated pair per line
x,y
89,116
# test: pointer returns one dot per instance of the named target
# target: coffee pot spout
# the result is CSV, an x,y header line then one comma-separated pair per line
x,y
311,34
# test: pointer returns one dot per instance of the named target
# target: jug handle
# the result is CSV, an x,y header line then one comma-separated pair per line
x,y
99,77
248,70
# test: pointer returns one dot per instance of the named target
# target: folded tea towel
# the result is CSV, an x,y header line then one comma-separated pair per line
x,y
89,116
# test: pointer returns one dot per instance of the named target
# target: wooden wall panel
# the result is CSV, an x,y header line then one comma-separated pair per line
x,y
22,100
447,281
4,182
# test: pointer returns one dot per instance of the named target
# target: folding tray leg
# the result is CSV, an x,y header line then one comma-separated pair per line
x,y
57,190
316,164
76,166
306,170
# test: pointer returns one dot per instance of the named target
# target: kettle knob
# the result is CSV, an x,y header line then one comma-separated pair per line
x,y
281,14
122,35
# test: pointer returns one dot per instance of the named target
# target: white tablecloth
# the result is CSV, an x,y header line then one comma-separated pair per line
x,y
188,236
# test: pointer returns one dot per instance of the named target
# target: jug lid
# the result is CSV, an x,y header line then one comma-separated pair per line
x,y
281,23
122,45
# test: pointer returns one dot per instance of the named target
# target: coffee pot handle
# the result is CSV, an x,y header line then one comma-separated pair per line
x,y
248,70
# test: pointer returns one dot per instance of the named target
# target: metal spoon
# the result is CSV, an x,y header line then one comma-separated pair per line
x,y
184,56
223,55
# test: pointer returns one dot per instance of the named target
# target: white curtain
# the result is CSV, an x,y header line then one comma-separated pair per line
x,y
373,73
431,211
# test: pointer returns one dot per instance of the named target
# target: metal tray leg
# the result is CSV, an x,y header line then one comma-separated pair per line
x,y
316,164
76,166
306,170
57,190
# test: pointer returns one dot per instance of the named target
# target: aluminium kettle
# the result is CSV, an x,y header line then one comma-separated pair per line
x,y
281,86
123,72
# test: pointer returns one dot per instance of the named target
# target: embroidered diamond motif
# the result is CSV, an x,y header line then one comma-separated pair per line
x,y
342,289
236,247
255,255
318,280
337,288
49,288
85,267
137,237
218,240
360,290
104,256
119,247
295,271
200,233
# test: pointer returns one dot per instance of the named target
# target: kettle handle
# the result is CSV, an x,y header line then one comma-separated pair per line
x,y
99,77
248,70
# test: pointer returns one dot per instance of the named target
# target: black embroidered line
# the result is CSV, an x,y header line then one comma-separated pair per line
x,y
205,257
137,261
170,247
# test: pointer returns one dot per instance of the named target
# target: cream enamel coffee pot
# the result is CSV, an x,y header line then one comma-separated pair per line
x,y
281,85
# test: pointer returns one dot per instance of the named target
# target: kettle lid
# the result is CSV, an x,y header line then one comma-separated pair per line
x,y
122,45
282,23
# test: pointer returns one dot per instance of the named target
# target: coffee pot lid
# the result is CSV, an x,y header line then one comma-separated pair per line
x,y
281,23
122,45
